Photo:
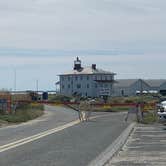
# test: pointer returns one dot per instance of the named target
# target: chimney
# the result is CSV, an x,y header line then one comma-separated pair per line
x,y
94,66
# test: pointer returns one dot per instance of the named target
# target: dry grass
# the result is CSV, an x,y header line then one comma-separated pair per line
x,y
23,113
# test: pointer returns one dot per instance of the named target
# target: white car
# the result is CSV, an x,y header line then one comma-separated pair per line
x,y
162,111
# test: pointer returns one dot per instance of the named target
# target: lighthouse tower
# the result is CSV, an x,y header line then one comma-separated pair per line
x,y
77,64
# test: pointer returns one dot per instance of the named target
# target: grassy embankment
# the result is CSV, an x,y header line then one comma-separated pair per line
x,y
23,113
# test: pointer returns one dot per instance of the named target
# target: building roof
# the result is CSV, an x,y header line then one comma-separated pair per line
x,y
87,70
155,82
125,82
129,82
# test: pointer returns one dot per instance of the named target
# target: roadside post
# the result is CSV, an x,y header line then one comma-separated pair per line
x,y
5,100
141,103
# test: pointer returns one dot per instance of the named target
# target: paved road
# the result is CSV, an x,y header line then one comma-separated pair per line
x,y
53,117
73,146
145,147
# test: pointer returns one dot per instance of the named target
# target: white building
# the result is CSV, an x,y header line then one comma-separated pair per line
x,y
86,81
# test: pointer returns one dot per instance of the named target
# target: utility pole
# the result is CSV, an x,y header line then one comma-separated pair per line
x,y
142,103
15,79
37,86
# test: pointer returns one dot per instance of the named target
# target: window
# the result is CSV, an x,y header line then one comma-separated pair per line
x,y
87,77
63,86
95,85
94,77
81,77
76,78
63,78
87,85
69,86
69,78
106,85
78,86
105,77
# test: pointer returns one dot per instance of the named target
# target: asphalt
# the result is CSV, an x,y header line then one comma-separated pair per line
x,y
145,147
74,146
53,117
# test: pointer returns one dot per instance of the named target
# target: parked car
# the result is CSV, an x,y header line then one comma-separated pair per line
x,y
162,111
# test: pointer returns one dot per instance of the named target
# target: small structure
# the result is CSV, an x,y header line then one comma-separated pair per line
x,y
5,102
157,85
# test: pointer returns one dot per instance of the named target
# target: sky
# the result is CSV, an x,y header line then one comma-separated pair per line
x,y
40,39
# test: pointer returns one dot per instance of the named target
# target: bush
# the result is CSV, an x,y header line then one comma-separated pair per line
x,y
60,98
128,101
149,118
23,113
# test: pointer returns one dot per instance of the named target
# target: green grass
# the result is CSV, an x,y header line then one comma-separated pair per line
x,y
23,113
119,109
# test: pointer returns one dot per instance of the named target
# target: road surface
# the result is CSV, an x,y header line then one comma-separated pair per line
x,y
70,143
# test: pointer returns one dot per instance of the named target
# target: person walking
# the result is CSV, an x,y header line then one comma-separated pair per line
x,y
81,111
84,112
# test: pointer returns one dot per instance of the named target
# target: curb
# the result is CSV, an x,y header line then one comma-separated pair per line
x,y
104,158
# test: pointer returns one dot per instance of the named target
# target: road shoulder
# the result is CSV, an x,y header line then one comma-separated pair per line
x,y
104,157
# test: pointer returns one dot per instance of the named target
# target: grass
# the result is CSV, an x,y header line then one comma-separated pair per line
x,y
111,109
24,113
149,118
133,99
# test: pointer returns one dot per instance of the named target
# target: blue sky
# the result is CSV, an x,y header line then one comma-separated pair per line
x,y
40,39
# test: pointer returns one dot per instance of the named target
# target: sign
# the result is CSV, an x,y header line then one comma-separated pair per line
x,y
105,92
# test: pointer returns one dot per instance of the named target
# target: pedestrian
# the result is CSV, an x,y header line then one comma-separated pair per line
x,y
81,111
84,111
89,109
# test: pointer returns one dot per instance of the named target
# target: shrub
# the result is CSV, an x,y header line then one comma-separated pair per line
x,y
23,113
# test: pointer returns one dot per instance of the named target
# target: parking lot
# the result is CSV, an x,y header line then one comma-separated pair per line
x,y
145,147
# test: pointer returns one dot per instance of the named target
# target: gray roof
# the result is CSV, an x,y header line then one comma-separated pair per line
x,y
125,82
155,82
150,82
87,70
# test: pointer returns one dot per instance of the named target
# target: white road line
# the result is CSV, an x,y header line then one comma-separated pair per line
x,y
41,135
37,136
